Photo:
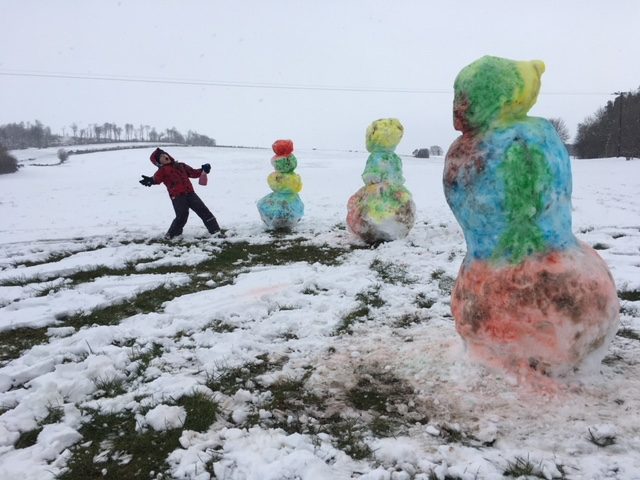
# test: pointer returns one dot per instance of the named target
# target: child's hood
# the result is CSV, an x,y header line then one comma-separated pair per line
x,y
155,157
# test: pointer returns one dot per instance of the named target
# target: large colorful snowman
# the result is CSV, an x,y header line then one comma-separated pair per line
x,y
282,209
383,209
529,295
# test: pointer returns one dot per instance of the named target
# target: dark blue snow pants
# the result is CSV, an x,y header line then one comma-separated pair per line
x,y
181,205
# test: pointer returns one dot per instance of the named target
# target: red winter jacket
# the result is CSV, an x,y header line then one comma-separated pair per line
x,y
176,176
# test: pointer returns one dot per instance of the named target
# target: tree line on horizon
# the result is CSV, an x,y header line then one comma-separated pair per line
x,y
612,131
15,136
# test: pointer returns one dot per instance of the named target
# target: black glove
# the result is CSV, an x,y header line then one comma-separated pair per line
x,y
206,168
146,181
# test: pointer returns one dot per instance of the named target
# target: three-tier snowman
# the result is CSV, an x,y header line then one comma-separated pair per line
x,y
282,209
383,209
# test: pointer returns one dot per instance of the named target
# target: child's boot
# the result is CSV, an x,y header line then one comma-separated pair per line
x,y
212,225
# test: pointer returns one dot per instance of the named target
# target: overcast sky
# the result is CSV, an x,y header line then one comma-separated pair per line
x,y
327,67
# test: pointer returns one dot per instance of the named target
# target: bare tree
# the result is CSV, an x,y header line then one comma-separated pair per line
x,y
106,129
128,129
435,150
561,128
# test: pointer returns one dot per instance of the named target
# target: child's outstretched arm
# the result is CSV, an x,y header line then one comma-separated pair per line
x,y
147,181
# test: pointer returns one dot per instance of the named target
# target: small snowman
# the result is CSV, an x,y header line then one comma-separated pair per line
x,y
282,209
383,209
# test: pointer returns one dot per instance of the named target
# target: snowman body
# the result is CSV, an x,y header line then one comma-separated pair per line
x,y
528,294
383,209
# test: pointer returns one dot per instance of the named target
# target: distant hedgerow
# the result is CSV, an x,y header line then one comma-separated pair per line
x,y
8,163
63,155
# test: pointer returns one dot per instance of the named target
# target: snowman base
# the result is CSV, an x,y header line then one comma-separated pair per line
x,y
380,213
281,210
551,313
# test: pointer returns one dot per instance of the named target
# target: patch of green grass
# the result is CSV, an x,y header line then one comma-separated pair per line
x,y
368,298
632,296
612,359
451,434
27,439
628,333
409,319
227,264
17,281
112,449
371,297
231,380
289,336
437,273
282,308
522,467
14,342
278,252
383,426
124,342
149,301
144,356
314,290
109,387
630,310
358,315
377,391
349,437
201,410
84,276
290,395
219,326
54,415
422,301
286,399
445,282
391,272
52,258
365,396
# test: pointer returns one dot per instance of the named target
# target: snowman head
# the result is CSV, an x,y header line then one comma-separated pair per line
x,y
384,134
494,89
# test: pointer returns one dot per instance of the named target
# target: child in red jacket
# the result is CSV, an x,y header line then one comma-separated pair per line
x,y
175,176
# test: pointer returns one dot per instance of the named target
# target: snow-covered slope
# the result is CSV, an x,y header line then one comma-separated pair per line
x,y
324,359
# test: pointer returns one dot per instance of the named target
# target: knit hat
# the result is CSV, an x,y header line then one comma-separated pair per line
x,y
155,157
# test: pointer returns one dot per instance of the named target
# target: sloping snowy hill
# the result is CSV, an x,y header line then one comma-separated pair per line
x,y
260,356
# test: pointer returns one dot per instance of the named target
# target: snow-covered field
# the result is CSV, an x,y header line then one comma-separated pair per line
x,y
299,356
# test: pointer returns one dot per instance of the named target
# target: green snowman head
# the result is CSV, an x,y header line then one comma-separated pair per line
x,y
494,89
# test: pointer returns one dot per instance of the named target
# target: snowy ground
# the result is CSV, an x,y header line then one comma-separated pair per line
x,y
301,356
